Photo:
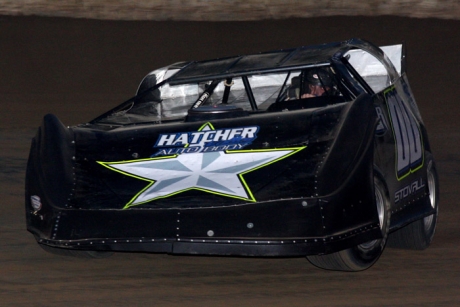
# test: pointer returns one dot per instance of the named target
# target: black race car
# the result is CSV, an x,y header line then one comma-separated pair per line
x,y
318,151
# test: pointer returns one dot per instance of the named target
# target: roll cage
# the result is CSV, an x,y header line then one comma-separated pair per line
x,y
171,92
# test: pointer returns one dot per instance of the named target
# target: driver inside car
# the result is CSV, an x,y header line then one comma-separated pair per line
x,y
317,82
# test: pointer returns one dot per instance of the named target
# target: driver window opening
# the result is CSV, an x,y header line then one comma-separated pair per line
x,y
312,82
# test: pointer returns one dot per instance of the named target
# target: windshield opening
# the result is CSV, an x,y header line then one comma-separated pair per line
x,y
159,101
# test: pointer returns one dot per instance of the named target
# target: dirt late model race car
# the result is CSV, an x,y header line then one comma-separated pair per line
x,y
317,151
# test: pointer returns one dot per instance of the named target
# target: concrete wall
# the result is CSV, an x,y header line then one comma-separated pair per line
x,y
226,10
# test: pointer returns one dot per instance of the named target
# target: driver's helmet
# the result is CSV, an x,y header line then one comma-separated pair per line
x,y
319,77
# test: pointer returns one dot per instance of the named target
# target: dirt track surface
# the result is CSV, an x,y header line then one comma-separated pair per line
x,y
78,69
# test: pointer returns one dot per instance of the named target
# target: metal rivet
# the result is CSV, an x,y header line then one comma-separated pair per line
x,y
250,225
210,233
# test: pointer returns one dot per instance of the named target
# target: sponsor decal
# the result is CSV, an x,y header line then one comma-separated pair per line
x,y
205,139
216,172
36,202
409,190
200,100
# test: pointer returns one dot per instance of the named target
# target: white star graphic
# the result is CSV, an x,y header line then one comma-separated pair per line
x,y
215,172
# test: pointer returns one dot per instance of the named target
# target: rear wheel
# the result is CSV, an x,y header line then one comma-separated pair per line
x,y
364,255
419,234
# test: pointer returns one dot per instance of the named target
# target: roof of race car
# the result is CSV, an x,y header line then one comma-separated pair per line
x,y
268,61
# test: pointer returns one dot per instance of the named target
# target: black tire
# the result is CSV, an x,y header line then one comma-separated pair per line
x,y
419,234
363,256
75,252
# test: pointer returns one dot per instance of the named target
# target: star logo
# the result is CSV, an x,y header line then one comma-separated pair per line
x,y
220,173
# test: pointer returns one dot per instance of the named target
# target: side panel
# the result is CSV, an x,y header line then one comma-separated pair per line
x,y
49,175
400,153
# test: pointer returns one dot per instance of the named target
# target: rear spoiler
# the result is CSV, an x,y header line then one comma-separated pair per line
x,y
367,65
397,56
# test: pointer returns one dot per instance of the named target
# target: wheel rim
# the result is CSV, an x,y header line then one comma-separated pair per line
x,y
432,188
428,221
380,203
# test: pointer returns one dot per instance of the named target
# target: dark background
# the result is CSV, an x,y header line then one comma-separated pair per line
x,y
77,69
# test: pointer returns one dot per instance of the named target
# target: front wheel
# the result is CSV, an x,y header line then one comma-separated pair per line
x,y
362,256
